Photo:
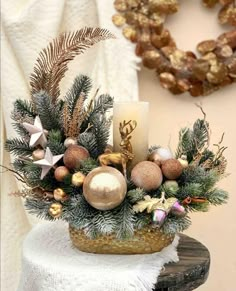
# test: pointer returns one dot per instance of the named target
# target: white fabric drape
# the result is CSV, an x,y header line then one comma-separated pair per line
x,y
27,27
49,243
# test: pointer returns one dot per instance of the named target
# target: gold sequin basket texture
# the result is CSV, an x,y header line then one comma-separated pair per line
x,y
144,241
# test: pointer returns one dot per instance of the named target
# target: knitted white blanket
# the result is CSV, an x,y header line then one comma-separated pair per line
x,y
50,263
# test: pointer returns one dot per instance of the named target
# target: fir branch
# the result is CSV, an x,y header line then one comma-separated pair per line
x,y
88,140
175,224
39,208
135,195
52,63
99,107
21,130
191,190
23,110
101,130
18,147
125,220
199,175
142,220
54,142
217,196
203,207
88,165
185,144
48,112
55,135
82,84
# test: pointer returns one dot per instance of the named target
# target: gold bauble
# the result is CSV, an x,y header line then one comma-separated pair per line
x,y
74,155
55,210
78,179
147,175
70,141
104,188
60,173
60,195
38,154
171,169
183,161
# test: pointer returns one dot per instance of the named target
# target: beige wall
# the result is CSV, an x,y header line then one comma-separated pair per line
x,y
217,228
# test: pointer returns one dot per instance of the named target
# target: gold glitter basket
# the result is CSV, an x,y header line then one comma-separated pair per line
x,y
144,241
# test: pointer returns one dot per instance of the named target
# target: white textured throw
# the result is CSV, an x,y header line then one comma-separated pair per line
x,y
51,263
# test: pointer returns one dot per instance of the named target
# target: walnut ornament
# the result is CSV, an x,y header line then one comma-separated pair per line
x,y
55,210
60,195
78,179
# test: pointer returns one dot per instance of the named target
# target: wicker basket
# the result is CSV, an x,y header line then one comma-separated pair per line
x,y
144,241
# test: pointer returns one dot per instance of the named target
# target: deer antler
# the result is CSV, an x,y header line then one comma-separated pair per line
x,y
125,130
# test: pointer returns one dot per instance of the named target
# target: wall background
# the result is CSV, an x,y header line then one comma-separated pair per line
x,y
217,228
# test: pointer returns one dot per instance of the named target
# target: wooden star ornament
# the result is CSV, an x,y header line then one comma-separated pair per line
x,y
48,162
38,134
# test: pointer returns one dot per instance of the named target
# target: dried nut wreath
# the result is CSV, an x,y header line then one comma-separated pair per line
x,y
180,71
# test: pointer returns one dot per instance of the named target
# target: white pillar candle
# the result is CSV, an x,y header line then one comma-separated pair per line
x,y
137,111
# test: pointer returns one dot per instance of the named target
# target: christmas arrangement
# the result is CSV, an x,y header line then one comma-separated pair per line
x,y
125,198
180,71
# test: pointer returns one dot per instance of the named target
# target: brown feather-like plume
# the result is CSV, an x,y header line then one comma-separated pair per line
x,y
77,118
52,63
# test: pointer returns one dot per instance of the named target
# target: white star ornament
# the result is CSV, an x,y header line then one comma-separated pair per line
x,y
37,132
48,162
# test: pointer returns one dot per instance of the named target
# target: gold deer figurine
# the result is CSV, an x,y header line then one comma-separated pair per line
x,y
126,155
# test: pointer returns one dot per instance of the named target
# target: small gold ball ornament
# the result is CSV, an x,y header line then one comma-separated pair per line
x,y
74,155
60,173
55,210
183,161
60,195
78,179
70,141
147,175
104,188
38,154
171,169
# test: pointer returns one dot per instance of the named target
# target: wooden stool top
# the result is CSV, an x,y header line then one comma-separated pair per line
x,y
190,272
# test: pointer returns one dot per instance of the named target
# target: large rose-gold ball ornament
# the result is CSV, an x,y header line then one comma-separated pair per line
x,y
74,155
147,175
104,188
171,169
